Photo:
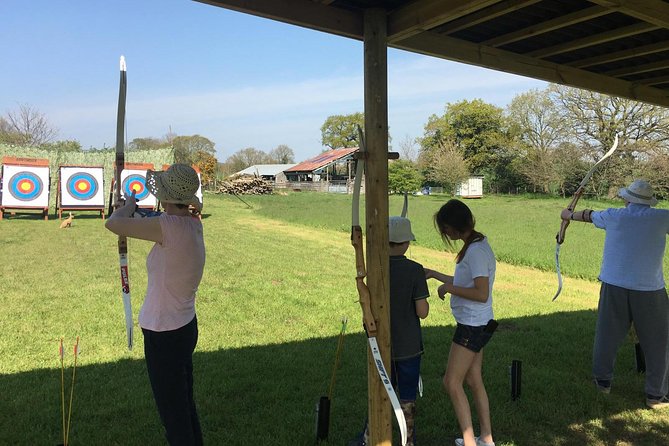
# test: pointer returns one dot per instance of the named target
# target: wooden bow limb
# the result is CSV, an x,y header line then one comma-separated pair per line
x,y
361,273
572,206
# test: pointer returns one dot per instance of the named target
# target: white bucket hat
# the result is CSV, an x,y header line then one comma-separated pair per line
x,y
639,192
178,184
399,230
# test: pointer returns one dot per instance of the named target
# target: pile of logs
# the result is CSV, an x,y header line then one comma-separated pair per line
x,y
245,185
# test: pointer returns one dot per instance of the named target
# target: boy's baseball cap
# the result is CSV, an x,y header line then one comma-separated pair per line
x,y
399,230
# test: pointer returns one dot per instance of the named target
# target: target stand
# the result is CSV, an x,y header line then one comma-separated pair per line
x,y
133,177
24,185
80,188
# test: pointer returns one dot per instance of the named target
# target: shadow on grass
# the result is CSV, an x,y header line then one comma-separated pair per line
x,y
267,394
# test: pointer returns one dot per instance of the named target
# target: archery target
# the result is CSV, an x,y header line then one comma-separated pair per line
x,y
82,186
132,179
25,186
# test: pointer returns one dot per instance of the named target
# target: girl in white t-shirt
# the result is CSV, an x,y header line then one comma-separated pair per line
x,y
471,304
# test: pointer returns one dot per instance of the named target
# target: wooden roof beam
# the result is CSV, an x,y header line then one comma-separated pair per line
x,y
305,13
547,26
585,42
654,80
460,51
651,11
621,55
423,15
638,69
484,15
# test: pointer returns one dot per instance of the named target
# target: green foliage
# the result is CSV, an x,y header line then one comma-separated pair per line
x,y
282,154
185,148
63,146
481,133
148,144
244,158
403,176
340,131
207,164
444,165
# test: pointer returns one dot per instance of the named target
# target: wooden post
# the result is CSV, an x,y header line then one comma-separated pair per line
x,y
376,213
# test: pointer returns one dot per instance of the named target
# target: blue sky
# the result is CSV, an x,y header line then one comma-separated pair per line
x,y
239,80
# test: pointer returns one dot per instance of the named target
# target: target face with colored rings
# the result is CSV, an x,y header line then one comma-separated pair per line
x,y
25,186
82,186
137,183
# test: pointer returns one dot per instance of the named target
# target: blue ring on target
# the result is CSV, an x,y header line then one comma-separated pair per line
x,y
135,182
82,186
25,186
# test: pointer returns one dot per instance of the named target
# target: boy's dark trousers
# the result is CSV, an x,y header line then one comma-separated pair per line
x,y
169,362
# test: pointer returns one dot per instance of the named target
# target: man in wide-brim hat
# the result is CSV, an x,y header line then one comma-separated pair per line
x,y
633,288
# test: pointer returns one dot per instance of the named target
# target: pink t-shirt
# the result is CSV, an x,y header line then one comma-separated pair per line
x,y
174,270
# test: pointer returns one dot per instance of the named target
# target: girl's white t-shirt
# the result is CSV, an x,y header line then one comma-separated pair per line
x,y
479,261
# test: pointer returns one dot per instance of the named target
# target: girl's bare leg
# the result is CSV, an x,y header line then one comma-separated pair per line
x,y
475,383
459,362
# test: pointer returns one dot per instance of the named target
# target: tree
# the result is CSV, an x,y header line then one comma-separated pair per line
x,y
480,132
26,127
148,143
408,149
340,131
207,164
7,134
403,176
569,168
185,148
244,158
538,129
445,165
282,155
643,129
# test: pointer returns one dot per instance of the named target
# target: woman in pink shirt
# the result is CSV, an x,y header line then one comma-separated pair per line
x,y
167,317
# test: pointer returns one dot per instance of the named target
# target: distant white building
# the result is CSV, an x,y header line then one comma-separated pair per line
x,y
471,188
270,172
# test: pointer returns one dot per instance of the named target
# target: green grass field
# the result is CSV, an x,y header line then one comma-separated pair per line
x,y
279,278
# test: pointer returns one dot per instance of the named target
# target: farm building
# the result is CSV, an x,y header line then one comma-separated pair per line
x,y
331,171
269,172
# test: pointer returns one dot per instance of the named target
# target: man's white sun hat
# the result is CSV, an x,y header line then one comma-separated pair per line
x,y
639,192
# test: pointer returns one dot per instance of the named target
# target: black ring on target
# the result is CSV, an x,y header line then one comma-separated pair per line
x,y
82,186
135,182
25,186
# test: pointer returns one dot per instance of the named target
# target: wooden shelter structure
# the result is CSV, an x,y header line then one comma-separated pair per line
x,y
616,47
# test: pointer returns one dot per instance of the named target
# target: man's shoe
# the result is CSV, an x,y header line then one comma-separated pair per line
x,y
604,386
655,402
